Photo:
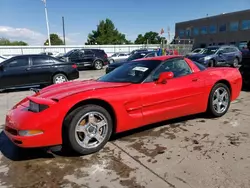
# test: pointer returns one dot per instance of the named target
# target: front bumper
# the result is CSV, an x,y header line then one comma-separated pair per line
x,y
20,119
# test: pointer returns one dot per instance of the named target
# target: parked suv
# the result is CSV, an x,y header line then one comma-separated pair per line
x,y
94,58
218,56
31,70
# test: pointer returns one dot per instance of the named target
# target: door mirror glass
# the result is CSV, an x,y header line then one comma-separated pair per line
x,y
164,77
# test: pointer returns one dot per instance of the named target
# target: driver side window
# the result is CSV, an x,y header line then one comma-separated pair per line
x,y
178,66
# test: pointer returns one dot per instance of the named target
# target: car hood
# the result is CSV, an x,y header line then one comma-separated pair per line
x,y
59,91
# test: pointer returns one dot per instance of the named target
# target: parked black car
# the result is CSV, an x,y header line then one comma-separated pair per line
x,y
245,67
30,70
138,55
94,58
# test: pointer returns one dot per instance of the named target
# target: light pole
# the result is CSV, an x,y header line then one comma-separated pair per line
x,y
47,20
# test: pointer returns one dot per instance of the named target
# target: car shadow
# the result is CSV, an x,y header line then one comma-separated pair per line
x,y
16,90
245,88
15,153
169,123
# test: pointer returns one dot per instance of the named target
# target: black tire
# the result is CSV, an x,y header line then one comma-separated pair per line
x,y
211,63
98,65
69,138
235,63
59,76
211,109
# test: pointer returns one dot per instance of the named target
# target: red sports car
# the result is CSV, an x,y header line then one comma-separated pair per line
x,y
82,115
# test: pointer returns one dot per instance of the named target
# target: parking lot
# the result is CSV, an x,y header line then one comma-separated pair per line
x,y
192,152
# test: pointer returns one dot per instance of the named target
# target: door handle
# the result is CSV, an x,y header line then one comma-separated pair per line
x,y
195,79
27,69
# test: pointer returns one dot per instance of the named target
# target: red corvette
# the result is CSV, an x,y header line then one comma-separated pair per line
x,y
82,115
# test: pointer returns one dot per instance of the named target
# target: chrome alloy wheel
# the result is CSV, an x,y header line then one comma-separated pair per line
x,y
91,130
60,79
220,100
98,65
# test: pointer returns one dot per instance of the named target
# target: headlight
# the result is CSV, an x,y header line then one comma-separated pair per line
x,y
29,132
207,58
34,107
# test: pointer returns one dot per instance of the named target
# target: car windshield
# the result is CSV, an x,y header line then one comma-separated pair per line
x,y
131,72
69,53
136,56
209,51
114,55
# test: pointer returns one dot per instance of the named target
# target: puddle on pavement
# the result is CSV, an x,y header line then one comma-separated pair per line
x,y
36,168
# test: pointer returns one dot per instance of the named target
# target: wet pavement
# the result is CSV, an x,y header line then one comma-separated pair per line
x,y
190,152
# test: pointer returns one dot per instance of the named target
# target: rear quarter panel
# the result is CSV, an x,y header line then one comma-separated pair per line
x,y
225,74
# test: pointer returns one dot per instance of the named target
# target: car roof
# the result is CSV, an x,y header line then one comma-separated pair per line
x,y
161,58
32,55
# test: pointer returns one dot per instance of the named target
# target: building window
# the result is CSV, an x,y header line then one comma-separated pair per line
x,y
212,29
196,31
181,33
234,26
223,28
204,30
245,24
188,32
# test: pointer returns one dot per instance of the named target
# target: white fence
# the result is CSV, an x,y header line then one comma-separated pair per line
x,y
109,49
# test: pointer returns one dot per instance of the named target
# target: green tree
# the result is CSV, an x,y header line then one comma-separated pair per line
x,y
106,33
19,43
54,39
150,37
7,42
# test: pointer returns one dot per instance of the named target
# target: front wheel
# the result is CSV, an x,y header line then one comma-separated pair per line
x,y
219,100
87,129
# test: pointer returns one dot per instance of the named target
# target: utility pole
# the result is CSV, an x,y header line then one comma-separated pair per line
x,y
47,20
63,31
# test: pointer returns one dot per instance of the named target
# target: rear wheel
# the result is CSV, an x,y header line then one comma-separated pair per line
x,y
87,129
59,78
219,100
98,65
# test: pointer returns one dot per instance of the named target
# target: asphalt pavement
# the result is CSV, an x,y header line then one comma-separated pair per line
x,y
189,152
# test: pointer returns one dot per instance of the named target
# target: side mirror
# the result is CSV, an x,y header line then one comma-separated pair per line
x,y
164,77
1,68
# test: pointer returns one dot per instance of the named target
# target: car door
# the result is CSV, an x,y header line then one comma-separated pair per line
x,y
88,57
180,96
14,72
74,57
221,57
229,55
41,69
